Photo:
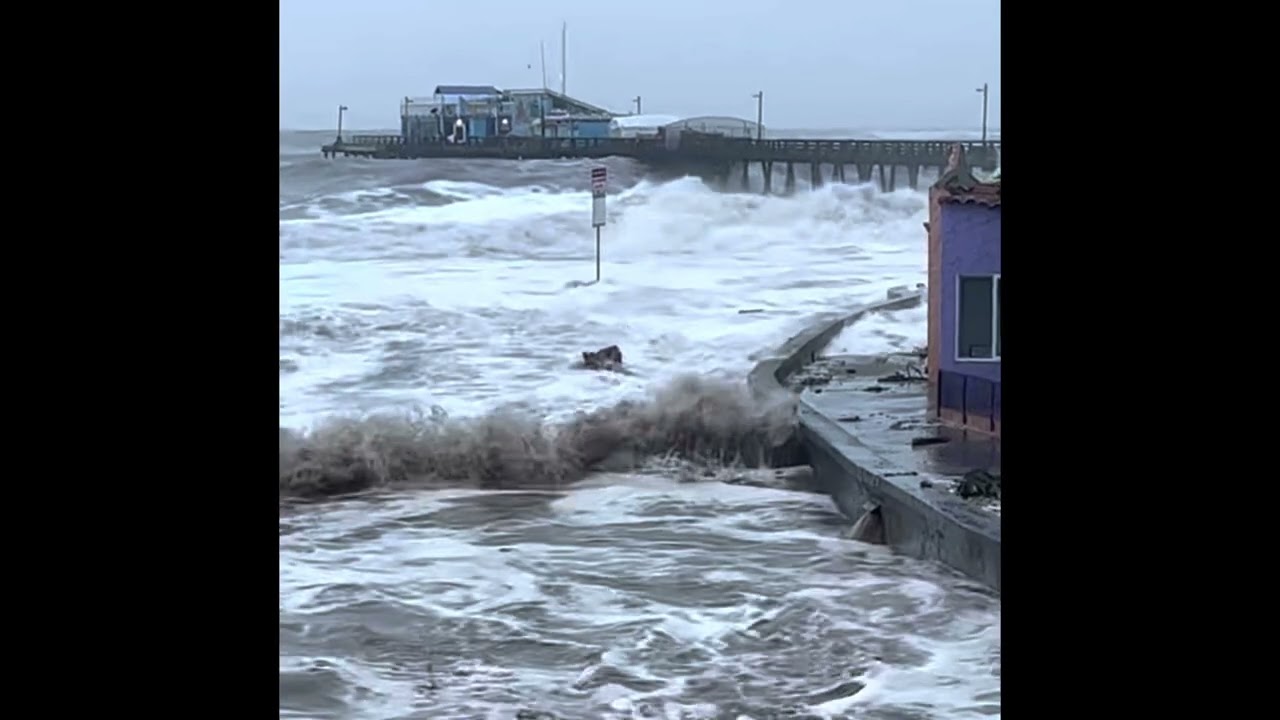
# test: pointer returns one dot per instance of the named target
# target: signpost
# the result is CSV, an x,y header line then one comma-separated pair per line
x,y
599,180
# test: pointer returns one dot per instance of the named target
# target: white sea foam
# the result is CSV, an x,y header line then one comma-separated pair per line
x,y
456,602
679,263
897,331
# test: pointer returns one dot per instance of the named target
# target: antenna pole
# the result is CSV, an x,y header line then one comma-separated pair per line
x,y
759,114
564,54
983,90
542,53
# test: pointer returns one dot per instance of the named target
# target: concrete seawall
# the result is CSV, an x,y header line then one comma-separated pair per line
x,y
919,520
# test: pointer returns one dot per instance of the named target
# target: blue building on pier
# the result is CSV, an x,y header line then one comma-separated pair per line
x,y
461,113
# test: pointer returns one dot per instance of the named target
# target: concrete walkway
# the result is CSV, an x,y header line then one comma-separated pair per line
x,y
864,430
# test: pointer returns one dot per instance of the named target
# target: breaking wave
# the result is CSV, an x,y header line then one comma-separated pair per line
x,y
691,418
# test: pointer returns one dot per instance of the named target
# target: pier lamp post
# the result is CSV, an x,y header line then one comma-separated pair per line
x,y
341,109
636,100
983,90
759,114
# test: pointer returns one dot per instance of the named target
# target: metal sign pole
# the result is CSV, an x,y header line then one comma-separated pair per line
x,y
599,183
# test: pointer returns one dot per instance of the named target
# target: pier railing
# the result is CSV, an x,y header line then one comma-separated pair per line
x,y
689,146
395,146
900,152
375,140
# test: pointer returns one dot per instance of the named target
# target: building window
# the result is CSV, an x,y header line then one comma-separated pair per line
x,y
978,318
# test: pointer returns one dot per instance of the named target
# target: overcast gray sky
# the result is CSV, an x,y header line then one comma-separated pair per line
x,y
891,64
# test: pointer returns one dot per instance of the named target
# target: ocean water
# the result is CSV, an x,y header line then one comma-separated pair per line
x,y
473,527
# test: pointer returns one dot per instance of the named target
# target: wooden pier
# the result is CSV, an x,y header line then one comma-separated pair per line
x,y
708,155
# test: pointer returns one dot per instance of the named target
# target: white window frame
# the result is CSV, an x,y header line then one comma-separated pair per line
x,y
995,319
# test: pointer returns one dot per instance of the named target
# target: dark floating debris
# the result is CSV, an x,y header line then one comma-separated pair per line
x,y
850,418
901,377
526,714
608,358
750,311
923,441
979,484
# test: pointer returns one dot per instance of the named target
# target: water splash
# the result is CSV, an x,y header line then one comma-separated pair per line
x,y
691,417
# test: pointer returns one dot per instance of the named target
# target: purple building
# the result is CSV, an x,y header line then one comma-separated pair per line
x,y
964,298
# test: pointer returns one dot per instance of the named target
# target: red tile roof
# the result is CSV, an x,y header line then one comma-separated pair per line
x,y
957,184
986,194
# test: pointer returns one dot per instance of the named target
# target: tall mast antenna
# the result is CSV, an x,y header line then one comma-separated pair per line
x,y
542,52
